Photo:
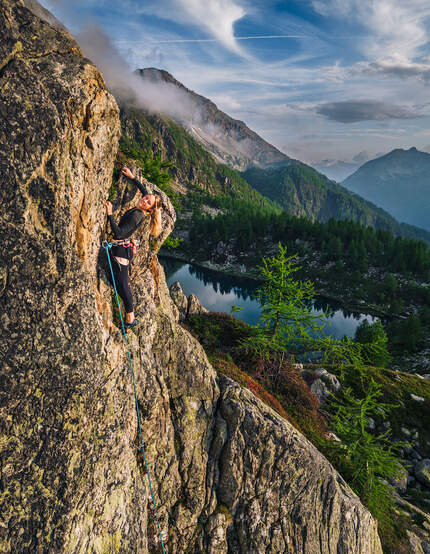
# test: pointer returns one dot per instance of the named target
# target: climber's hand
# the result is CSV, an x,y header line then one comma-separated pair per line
x,y
127,172
108,206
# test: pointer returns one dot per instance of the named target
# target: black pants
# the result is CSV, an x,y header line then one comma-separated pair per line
x,y
120,273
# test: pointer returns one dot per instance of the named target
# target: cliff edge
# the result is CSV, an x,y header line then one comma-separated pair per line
x,y
229,474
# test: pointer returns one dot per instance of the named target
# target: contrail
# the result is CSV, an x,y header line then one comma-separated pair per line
x,y
212,39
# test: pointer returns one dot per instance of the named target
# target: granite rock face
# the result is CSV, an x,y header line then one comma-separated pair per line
x,y
229,475
280,493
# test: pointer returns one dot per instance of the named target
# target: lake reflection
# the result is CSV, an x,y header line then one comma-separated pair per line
x,y
218,293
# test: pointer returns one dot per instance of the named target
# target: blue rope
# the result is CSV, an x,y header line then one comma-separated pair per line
x,y
107,246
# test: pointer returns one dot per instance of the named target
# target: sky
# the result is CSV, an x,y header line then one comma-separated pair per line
x,y
337,80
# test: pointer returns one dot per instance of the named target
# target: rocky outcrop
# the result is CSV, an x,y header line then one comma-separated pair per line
x,y
179,299
194,306
186,306
278,493
229,475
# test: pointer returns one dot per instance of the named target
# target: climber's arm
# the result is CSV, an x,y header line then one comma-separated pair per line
x,y
124,230
119,231
143,188
116,231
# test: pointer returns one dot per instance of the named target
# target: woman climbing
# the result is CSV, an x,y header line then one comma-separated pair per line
x,y
150,204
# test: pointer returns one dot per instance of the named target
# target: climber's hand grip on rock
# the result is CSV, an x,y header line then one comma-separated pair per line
x,y
108,206
127,172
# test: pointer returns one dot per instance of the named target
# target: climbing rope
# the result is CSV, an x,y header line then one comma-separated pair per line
x,y
107,246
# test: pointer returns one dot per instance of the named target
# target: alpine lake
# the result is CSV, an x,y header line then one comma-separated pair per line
x,y
218,292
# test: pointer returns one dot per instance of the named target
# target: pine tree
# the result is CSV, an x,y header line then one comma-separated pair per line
x,y
390,285
373,334
365,460
287,321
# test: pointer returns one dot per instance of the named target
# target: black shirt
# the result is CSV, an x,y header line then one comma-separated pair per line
x,y
131,220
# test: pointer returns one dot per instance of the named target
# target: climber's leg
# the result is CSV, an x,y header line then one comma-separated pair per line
x,y
120,272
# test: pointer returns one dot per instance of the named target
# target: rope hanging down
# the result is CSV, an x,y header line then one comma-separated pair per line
x,y
107,246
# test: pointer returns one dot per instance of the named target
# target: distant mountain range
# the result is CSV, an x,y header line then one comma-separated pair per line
x,y
398,182
229,140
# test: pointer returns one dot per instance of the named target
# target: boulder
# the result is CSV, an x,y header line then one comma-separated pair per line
x,y
415,456
370,423
321,391
385,425
401,481
329,379
422,472
415,543
220,248
417,398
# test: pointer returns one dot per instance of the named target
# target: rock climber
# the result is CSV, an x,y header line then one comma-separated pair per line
x,y
124,246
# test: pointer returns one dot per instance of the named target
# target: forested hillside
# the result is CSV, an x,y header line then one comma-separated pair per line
x,y
303,191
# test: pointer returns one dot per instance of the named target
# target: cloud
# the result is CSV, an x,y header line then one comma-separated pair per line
x,y
158,97
361,157
260,37
287,89
351,111
395,27
226,102
402,69
153,93
218,17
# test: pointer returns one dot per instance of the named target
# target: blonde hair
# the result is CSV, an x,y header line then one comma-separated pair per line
x,y
155,213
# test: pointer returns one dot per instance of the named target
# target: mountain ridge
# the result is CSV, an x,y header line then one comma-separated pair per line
x,y
229,140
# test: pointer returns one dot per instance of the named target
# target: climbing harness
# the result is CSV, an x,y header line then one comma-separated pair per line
x,y
127,243
107,246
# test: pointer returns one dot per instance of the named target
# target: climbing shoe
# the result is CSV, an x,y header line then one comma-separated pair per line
x,y
134,323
